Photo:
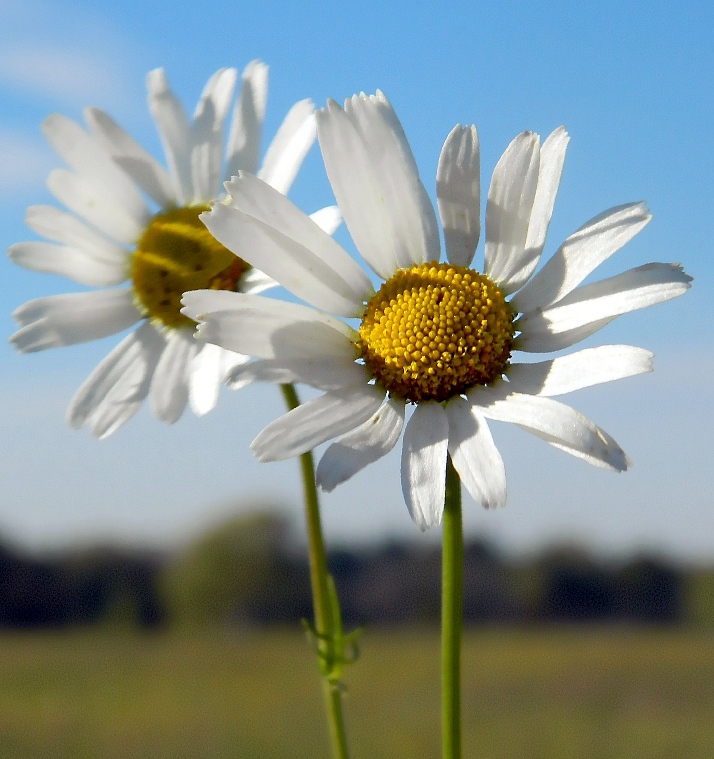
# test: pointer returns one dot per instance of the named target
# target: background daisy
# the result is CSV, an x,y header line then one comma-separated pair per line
x,y
112,234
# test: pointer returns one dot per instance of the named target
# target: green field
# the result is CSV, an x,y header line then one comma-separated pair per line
x,y
551,694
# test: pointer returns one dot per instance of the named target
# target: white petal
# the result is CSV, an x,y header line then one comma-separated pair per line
x,y
338,285
56,225
591,304
86,156
458,194
175,132
552,157
580,255
362,446
247,124
554,422
208,370
510,203
585,368
358,194
267,327
424,452
259,200
623,460
76,264
328,373
90,201
328,219
255,281
199,302
544,341
169,386
316,421
59,320
414,229
205,378
116,388
289,147
207,135
474,454
140,165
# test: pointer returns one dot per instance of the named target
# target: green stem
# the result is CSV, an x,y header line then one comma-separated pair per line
x,y
321,598
452,603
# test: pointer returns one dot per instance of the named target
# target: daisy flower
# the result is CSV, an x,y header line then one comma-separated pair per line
x,y
111,235
436,336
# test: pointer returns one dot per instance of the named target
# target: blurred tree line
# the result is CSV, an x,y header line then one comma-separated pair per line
x,y
250,572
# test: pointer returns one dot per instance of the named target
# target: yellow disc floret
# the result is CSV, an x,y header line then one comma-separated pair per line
x,y
435,330
176,254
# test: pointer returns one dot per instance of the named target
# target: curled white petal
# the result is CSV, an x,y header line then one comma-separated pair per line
x,y
208,370
59,320
474,454
424,453
328,373
247,124
169,385
140,165
362,446
543,341
289,147
458,194
316,421
115,390
255,281
580,255
356,188
552,156
552,421
89,200
328,219
510,203
86,156
415,234
76,264
175,132
584,368
255,198
267,327
338,286
602,301
56,225
206,148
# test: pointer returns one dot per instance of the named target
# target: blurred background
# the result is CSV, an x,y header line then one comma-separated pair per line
x,y
151,584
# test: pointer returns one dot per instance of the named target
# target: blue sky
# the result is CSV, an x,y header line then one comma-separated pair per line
x,y
633,84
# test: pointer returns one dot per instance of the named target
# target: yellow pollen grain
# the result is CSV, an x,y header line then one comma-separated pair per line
x,y
434,330
176,254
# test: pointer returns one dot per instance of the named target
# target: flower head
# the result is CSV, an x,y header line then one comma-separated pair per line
x,y
112,234
439,336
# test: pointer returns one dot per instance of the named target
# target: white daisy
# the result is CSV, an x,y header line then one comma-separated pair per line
x,y
436,335
112,235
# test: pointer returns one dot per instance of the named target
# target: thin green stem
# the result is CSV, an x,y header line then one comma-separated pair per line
x,y
324,602
452,604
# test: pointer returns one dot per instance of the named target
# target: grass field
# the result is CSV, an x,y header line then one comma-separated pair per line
x,y
532,694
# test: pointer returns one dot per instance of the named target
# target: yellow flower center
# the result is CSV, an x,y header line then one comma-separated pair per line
x,y
176,254
435,330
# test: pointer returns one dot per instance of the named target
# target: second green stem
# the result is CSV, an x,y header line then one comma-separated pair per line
x,y
323,595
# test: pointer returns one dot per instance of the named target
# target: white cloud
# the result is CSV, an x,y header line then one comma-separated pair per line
x,y
63,74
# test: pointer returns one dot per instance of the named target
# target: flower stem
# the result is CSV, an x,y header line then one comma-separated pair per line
x,y
324,599
452,602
